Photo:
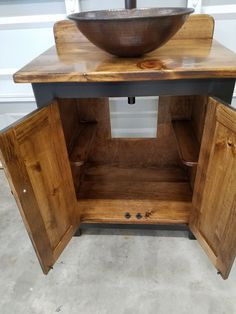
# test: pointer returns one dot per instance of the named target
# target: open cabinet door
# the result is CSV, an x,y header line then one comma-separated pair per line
x,y
34,156
213,219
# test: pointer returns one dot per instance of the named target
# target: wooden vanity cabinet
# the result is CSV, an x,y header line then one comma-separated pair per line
x,y
64,168
52,161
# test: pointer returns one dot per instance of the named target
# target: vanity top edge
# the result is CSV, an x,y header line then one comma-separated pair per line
x,y
83,62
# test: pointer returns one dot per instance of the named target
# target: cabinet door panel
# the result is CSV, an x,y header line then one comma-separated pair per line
x,y
35,160
213,220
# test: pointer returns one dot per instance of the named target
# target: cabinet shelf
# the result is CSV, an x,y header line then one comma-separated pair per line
x,y
148,195
188,146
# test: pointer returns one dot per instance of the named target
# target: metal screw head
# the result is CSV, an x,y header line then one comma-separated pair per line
x,y
139,216
127,215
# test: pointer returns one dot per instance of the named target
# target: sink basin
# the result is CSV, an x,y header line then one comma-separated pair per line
x,y
130,32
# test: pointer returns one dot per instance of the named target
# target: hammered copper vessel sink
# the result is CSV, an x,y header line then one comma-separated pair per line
x,y
130,32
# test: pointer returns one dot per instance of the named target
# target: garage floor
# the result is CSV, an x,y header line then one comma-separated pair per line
x,y
122,272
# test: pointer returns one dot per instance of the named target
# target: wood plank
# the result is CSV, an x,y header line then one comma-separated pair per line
x,y
180,107
159,195
156,152
213,219
187,108
199,26
135,190
145,152
187,143
190,54
70,121
81,149
34,156
152,212
83,142
177,59
110,173
66,31
198,116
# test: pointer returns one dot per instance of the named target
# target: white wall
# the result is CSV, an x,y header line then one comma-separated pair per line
x,y
26,31
88,5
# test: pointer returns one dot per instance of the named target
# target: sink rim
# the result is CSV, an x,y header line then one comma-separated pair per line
x,y
100,15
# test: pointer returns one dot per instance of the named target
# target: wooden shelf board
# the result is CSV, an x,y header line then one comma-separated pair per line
x,y
187,143
161,196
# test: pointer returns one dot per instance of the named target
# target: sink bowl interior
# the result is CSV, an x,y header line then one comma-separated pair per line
x,y
131,33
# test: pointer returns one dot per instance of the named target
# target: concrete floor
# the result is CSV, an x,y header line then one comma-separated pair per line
x,y
124,272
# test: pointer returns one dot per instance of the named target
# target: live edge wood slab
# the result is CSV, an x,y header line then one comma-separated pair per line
x,y
191,54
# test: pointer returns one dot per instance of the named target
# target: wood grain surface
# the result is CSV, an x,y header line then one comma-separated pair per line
x,y
159,195
125,152
34,156
190,54
187,143
213,220
81,149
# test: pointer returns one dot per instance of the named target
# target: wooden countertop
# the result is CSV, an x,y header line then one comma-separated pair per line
x,y
83,62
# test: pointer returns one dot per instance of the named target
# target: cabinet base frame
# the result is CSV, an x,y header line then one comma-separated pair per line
x,y
220,88
97,227
171,227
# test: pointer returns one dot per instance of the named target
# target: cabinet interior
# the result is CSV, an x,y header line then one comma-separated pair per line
x,y
134,180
